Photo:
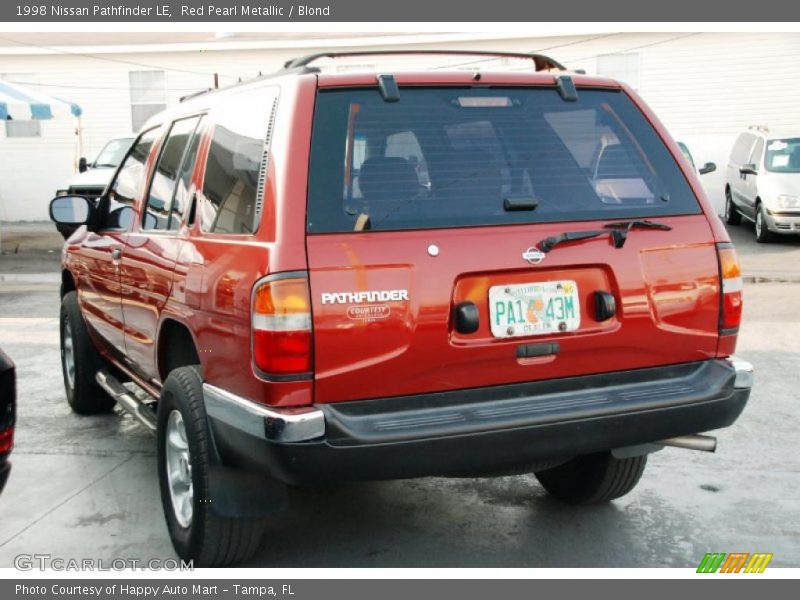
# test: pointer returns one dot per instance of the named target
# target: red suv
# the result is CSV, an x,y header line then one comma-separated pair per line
x,y
312,277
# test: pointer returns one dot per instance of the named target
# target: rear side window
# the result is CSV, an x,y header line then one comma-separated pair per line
x,y
450,157
182,189
159,214
232,187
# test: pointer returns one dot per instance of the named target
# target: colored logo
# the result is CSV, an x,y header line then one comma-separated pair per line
x,y
736,562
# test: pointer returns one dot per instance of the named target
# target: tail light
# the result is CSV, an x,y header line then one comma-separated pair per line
x,y
282,325
731,301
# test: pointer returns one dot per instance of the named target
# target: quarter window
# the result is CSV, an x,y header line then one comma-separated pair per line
x,y
231,187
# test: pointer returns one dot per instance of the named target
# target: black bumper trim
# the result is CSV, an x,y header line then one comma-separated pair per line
x,y
513,406
498,428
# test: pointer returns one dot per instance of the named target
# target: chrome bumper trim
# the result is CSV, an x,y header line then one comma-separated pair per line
x,y
744,373
274,424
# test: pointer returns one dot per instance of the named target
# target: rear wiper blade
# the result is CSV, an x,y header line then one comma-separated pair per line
x,y
643,223
547,244
618,232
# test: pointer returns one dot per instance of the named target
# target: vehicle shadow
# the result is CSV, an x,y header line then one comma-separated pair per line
x,y
498,522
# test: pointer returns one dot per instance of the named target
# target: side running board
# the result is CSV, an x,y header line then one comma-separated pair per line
x,y
138,409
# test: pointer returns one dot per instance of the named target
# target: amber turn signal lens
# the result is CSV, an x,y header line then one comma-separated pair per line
x,y
281,323
731,301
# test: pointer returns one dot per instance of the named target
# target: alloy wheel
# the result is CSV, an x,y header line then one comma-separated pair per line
x,y
68,354
179,470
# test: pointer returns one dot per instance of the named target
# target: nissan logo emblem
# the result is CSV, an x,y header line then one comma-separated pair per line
x,y
533,255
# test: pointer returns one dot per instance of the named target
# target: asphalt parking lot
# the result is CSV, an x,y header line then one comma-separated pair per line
x,y
85,487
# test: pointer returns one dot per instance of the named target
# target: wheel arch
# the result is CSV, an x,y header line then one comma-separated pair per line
x,y
175,347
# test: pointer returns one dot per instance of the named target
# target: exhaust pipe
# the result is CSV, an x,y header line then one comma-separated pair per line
x,y
703,443
126,400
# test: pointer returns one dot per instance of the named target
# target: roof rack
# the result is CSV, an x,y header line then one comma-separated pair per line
x,y
541,62
195,94
761,128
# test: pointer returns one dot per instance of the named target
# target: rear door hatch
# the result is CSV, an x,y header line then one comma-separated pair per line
x,y
470,237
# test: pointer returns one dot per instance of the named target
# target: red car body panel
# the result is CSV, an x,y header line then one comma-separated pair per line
x,y
665,282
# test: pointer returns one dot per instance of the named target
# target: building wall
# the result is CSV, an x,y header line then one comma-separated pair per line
x,y
705,87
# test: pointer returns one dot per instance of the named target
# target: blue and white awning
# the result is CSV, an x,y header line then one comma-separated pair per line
x,y
20,103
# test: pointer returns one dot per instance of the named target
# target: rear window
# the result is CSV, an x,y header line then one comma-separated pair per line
x,y
455,157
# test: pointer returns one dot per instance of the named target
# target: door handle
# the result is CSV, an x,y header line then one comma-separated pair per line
x,y
116,254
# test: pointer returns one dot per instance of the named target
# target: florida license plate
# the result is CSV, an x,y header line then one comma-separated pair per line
x,y
534,308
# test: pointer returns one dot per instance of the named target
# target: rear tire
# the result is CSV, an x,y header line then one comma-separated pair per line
x,y
185,454
763,234
593,478
732,215
80,362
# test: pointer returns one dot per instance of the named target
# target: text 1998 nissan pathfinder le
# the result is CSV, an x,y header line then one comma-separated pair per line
x,y
397,274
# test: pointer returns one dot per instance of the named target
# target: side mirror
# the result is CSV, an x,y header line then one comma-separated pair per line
x,y
748,170
70,210
709,167
69,213
82,164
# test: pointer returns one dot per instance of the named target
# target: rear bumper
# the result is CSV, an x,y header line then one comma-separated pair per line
x,y
485,429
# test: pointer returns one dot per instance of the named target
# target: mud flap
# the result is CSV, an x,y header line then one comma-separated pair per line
x,y
237,492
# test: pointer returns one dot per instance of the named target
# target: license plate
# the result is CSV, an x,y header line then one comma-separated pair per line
x,y
534,308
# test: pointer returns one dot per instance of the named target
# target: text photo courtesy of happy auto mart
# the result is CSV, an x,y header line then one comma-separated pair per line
x,y
519,300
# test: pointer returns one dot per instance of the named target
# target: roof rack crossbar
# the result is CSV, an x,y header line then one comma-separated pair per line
x,y
541,62
195,94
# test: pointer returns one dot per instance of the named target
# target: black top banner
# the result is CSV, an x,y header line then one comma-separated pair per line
x,y
443,11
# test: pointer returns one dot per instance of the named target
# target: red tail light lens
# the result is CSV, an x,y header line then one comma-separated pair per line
x,y
282,341
731,275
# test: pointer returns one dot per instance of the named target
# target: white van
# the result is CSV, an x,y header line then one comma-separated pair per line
x,y
762,182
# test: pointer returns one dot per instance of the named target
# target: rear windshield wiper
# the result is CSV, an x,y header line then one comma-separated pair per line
x,y
618,232
548,243
643,223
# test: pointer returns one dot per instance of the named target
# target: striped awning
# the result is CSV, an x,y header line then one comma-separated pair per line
x,y
21,103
